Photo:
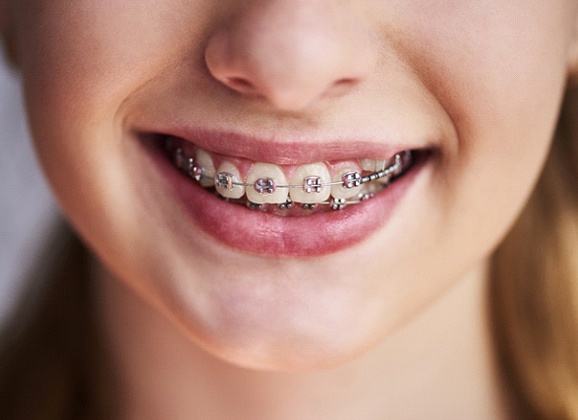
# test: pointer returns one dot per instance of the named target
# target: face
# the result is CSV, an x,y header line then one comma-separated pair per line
x,y
129,101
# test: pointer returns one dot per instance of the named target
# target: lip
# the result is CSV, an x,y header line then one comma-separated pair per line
x,y
266,234
296,150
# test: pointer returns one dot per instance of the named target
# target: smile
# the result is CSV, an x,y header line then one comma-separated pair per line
x,y
277,199
311,186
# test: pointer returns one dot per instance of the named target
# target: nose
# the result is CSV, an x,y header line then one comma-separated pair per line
x,y
291,53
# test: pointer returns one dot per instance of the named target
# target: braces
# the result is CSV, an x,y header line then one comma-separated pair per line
x,y
311,184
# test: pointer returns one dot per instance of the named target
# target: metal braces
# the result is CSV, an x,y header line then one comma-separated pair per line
x,y
311,184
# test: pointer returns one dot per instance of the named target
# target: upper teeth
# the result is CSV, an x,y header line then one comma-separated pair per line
x,y
351,186
310,184
206,162
228,181
263,181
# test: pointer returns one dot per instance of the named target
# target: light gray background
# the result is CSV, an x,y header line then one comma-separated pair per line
x,y
26,206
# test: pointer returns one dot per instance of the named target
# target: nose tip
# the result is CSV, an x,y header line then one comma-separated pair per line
x,y
291,58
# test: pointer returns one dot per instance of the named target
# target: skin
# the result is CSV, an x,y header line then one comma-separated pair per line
x,y
479,82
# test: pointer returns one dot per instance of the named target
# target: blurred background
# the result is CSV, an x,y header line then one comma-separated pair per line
x,y
26,207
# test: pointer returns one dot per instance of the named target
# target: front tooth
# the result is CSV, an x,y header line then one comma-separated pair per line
x,y
228,172
341,190
313,178
205,161
266,177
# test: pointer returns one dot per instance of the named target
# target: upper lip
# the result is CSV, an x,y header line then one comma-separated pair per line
x,y
289,151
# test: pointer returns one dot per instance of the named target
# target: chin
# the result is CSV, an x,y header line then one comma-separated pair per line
x,y
269,324
290,349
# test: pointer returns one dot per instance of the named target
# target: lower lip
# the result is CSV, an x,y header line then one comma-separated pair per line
x,y
265,234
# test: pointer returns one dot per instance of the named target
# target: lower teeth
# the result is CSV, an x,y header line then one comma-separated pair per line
x,y
370,186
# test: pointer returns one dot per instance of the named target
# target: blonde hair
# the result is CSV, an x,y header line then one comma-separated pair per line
x,y
534,286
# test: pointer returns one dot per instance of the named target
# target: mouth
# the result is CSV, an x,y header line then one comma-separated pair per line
x,y
309,189
284,210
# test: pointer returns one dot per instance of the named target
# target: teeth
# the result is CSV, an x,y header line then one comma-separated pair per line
x,y
311,177
264,179
311,185
371,188
373,165
342,191
226,175
205,161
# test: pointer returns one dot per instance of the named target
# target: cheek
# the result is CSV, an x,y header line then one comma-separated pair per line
x,y
85,59
79,64
500,75
501,85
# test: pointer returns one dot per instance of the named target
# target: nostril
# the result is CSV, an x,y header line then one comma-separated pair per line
x,y
344,84
240,84
341,87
